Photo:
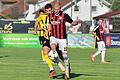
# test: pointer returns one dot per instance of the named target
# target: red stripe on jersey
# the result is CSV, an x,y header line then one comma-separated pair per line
x,y
101,33
54,27
101,37
58,26
62,25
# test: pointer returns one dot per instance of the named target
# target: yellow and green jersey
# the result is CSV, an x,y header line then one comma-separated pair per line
x,y
43,22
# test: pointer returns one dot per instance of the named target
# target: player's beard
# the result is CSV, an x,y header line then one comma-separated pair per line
x,y
57,13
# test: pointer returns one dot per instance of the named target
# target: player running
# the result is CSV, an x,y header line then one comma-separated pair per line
x,y
42,28
58,32
99,33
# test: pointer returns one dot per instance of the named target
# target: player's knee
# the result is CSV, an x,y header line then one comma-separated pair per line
x,y
64,52
53,46
46,50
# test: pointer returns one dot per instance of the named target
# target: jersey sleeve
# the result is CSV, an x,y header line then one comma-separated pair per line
x,y
38,19
68,18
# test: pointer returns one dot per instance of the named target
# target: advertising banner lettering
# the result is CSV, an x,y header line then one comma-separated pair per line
x,y
19,41
112,40
16,26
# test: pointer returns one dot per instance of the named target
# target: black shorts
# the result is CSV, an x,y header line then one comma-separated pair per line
x,y
44,41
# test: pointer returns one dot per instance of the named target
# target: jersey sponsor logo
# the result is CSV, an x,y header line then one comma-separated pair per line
x,y
55,22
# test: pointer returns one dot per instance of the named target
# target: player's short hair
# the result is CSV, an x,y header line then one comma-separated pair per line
x,y
57,5
48,6
41,11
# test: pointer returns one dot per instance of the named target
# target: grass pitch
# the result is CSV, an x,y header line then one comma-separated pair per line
x,y
25,64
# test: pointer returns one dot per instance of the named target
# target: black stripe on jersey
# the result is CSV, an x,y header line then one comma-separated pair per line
x,y
39,25
59,31
43,25
56,18
55,30
52,31
46,22
64,31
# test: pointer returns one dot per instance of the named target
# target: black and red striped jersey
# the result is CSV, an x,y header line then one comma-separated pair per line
x,y
58,24
100,33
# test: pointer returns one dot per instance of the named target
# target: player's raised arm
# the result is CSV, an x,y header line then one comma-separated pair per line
x,y
69,20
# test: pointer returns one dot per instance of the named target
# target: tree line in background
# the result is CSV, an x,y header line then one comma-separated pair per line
x,y
115,4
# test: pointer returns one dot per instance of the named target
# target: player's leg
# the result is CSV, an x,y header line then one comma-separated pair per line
x,y
97,53
41,39
57,60
63,48
62,68
46,49
53,45
48,61
103,49
103,57
43,57
59,53
94,55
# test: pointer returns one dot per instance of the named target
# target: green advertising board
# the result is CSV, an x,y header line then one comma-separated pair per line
x,y
32,41
19,41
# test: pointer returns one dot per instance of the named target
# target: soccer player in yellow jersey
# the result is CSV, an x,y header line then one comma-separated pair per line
x,y
41,28
42,24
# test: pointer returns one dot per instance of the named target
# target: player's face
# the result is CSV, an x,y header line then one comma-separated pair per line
x,y
57,10
100,22
49,10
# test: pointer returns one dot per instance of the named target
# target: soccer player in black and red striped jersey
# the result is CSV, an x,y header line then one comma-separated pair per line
x,y
99,33
49,11
58,33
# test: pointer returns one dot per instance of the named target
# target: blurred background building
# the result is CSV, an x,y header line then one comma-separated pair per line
x,y
85,10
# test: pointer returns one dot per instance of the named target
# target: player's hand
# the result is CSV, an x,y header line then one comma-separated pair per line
x,y
33,32
46,34
76,22
95,36
98,38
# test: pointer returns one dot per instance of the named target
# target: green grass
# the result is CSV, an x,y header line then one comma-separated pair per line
x,y
25,64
